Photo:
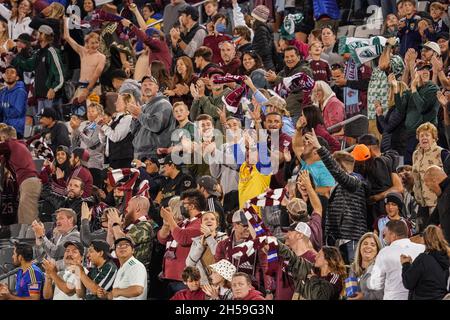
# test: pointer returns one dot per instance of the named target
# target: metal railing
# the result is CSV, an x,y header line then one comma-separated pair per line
x,y
10,276
345,122
200,18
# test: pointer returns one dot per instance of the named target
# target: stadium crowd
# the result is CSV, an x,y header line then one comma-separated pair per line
x,y
249,150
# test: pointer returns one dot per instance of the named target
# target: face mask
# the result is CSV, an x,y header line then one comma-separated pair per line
x,y
220,28
184,212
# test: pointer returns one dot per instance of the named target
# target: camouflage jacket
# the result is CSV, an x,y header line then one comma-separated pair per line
x,y
314,288
143,236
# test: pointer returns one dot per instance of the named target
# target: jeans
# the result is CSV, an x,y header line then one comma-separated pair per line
x,y
348,251
45,103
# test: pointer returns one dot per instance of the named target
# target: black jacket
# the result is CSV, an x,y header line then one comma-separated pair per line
x,y
441,214
263,45
59,136
392,128
346,216
426,278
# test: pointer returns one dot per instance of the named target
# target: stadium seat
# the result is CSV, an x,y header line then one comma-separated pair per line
x,y
422,5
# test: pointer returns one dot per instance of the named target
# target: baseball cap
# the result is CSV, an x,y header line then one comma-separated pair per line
x,y
151,159
210,184
166,160
48,113
151,78
45,29
76,244
101,245
25,38
122,239
300,227
433,46
361,152
190,11
239,217
442,35
296,206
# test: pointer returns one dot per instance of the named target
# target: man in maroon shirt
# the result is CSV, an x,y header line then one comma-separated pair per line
x,y
19,162
79,155
216,36
230,62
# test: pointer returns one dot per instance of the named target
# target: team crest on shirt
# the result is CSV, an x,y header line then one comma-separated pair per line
x,y
187,183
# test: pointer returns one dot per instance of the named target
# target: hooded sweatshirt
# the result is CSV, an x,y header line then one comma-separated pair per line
x,y
13,103
426,278
154,126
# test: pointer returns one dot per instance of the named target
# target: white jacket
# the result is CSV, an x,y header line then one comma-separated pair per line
x,y
387,271
15,28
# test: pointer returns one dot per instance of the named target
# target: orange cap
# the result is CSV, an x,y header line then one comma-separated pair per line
x,y
361,152
94,98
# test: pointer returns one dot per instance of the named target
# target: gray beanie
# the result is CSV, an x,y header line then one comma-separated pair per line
x,y
132,87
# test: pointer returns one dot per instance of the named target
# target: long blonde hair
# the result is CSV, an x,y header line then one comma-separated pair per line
x,y
57,10
356,265
5,35
402,87
434,240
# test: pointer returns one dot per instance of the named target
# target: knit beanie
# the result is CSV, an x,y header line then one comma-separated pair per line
x,y
261,13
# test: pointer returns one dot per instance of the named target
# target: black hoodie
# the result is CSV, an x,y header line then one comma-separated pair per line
x,y
426,278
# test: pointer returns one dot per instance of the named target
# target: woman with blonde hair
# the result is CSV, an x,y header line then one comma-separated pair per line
x,y
18,18
119,140
427,277
368,247
427,154
332,108
203,247
52,16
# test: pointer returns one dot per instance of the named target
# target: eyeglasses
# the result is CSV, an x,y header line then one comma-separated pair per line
x,y
123,245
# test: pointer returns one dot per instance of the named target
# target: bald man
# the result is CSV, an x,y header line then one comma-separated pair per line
x,y
136,226
439,183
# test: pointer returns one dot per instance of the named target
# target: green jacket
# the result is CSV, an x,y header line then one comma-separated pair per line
x,y
143,237
55,67
418,107
208,105
314,288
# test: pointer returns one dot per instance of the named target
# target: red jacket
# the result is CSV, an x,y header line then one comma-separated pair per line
x,y
158,49
213,42
18,160
332,141
253,295
333,112
172,268
232,67
85,175
187,294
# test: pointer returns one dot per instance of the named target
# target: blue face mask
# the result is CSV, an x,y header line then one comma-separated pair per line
x,y
221,28
236,38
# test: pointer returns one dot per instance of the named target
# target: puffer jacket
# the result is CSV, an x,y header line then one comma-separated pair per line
x,y
263,44
347,210
327,8
154,126
197,251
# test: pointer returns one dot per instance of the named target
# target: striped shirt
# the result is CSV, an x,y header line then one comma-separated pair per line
x,y
103,276
29,282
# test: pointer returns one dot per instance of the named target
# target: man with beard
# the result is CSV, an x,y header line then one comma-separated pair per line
x,y
30,278
177,237
55,133
13,101
135,226
79,155
52,201
153,123
48,68
411,207
65,230
231,63
64,284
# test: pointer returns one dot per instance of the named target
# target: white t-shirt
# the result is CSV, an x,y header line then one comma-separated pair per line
x,y
131,273
72,280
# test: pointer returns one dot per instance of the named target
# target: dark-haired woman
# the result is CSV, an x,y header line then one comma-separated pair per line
x,y
314,120
252,66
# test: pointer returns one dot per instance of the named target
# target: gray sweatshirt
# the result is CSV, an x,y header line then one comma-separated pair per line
x,y
88,137
153,128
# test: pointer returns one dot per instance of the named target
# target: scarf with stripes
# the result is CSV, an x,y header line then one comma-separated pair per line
x,y
233,99
172,244
299,81
263,235
132,175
